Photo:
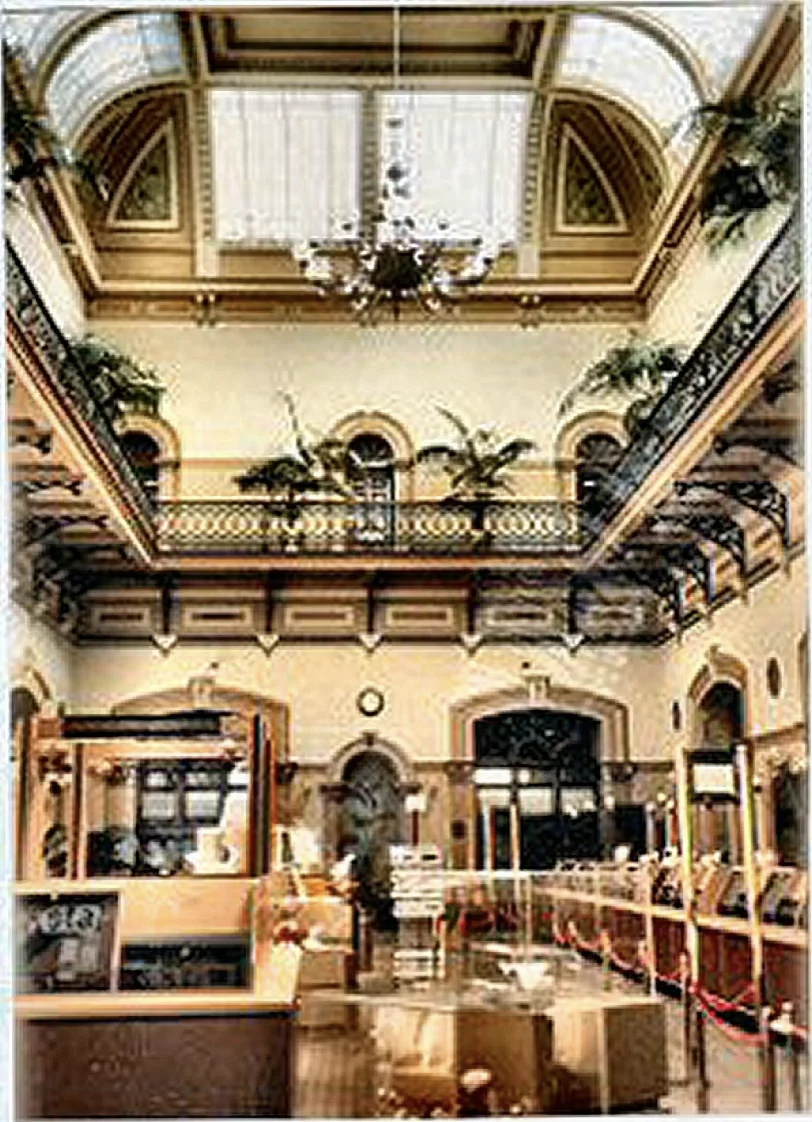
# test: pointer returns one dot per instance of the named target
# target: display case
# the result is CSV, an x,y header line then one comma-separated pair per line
x,y
666,889
784,899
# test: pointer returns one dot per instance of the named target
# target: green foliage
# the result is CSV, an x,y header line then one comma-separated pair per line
x,y
315,468
637,368
477,462
122,384
31,145
760,144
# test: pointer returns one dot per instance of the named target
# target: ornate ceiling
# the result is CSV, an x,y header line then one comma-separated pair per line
x,y
603,188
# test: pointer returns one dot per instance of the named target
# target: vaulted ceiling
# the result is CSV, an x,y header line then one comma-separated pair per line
x,y
185,113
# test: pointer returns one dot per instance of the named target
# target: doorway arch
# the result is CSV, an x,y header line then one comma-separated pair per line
x,y
370,820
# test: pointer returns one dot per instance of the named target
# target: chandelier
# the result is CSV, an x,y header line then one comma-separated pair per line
x,y
394,266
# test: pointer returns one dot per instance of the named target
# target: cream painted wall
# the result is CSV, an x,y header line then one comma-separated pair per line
x,y
320,681
224,384
34,647
45,262
706,280
771,622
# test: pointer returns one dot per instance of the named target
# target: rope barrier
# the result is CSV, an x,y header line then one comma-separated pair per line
x,y
753,1038
713,1005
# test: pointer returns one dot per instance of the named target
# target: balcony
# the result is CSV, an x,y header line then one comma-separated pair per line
x,y
61,381
257,527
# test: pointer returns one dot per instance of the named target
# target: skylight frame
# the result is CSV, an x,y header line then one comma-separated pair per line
x,y
35,33
591,60
706,33
131,49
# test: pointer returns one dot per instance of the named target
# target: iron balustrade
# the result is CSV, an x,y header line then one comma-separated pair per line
x,y
264,526
267,526
745,319
67,375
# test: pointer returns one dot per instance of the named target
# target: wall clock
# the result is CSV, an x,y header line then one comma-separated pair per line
x,y
370,701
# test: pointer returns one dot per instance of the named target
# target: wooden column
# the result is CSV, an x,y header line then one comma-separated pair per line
x,y
744,762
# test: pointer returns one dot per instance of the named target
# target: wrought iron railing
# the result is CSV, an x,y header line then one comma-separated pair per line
x,y
257,526
67,376
744,320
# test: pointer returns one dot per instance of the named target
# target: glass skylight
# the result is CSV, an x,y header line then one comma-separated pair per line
x,y
619,59
113,57
286,164
464,153
719,35
34,32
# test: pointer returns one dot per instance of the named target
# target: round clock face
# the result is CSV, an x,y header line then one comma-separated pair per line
x,y
370,701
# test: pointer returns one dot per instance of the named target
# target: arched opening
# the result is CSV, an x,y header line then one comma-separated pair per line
x,y
144,455
720,725
596,457
371,820
537,774
371,476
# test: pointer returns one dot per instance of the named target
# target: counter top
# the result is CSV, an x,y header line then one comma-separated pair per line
x,y
166,1003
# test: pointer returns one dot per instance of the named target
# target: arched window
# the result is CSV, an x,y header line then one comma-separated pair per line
x,y
596,457
372,477
144,455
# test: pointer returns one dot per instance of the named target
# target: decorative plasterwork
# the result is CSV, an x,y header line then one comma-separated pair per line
x,y
370,742
541,693
147,197
574,155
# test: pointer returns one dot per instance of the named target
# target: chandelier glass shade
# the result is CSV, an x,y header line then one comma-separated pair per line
x,y
392,265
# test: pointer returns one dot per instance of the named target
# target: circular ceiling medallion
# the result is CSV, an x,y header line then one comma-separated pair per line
x,y
370,701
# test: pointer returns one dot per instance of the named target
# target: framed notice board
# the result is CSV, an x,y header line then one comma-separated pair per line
x,y
66,942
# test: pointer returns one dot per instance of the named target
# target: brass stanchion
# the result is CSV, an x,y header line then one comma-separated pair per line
x,y
767,1061
606,959
689,960
687,1030
702,1081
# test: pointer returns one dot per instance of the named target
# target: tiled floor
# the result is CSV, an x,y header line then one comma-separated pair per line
x,y
335,1070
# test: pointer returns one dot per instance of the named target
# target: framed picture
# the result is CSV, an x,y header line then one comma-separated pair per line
x,y
66,942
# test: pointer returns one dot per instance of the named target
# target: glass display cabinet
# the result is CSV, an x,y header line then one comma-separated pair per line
x,y
785,897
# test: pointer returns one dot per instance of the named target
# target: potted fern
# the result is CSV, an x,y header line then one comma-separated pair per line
x,y
476,465
759,140
32,147
638,368
316,467
121,383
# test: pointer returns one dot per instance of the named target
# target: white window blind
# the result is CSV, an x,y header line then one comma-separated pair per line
x,y
286,164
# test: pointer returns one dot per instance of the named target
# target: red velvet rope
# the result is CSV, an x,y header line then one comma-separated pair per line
x,y
712,1004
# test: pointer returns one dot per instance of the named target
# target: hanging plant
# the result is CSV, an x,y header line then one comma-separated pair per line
x,y
638,368
122,384
31,145
317,467
759,141
476,464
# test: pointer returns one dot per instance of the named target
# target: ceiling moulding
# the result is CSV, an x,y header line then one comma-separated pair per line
x,y
270,307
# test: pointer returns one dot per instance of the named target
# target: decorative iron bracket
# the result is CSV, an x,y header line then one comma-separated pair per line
x,y
759,495
661,580
719,528
780,447
688,558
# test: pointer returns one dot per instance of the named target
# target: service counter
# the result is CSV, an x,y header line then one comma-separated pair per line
x,y
156,1055
585,902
